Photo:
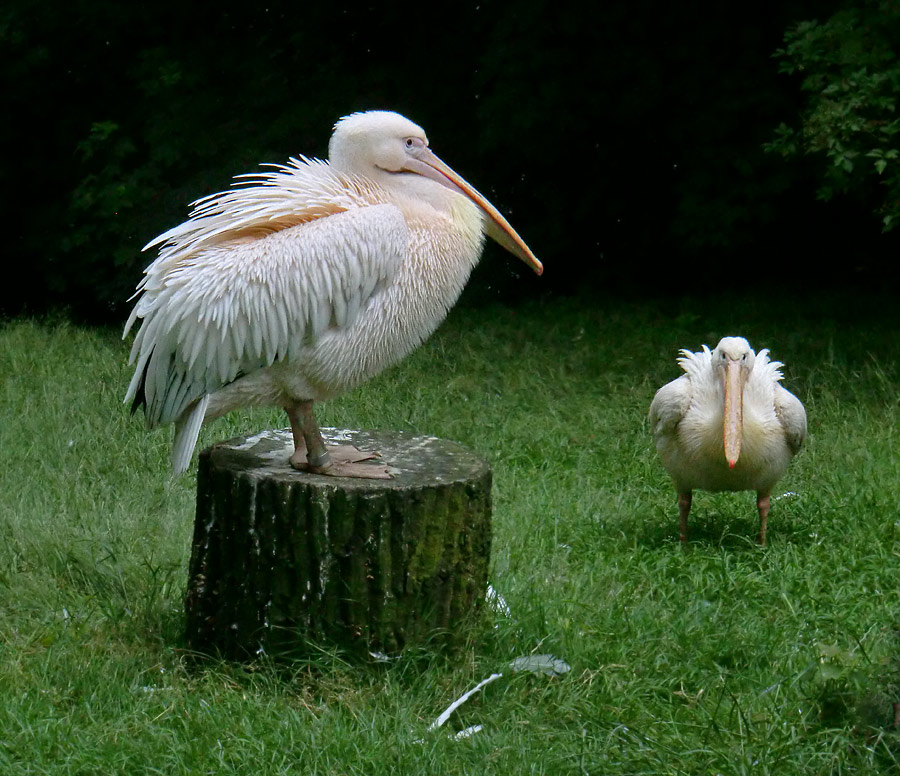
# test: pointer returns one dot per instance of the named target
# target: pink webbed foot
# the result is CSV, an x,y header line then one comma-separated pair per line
x,y
341,461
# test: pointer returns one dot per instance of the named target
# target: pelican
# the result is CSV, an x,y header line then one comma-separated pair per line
x,y
300,283
727,424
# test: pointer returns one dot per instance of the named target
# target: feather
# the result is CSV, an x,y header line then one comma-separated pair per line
x,y
187,431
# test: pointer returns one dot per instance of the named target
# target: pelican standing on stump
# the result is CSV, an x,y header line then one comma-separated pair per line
x,y
301,283
727,424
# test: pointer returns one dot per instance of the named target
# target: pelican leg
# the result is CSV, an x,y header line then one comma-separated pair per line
x,y
762,504
311,454
309,447
684,509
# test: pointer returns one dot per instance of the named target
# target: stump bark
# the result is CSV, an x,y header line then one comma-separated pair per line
x,y
283,560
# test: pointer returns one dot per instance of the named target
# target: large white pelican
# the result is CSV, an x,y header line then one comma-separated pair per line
x,y
304,282
727,424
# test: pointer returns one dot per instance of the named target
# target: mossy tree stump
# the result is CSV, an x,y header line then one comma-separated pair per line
x,y
283,559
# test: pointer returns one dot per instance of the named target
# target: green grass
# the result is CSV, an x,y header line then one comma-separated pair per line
x,y
725,658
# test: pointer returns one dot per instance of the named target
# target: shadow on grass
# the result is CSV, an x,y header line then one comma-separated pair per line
x,y
727,530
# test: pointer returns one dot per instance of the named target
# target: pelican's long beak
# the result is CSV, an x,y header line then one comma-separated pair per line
x,y
498,228
733,421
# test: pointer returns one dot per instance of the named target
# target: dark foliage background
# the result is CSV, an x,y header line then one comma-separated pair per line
x,y
623,139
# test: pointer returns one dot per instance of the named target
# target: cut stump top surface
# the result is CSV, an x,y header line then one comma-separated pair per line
x,y
412,459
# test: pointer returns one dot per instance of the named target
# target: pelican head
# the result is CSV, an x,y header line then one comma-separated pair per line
x,y
733,360
363,143
389,148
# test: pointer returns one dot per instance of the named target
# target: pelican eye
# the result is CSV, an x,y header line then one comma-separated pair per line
x,y
414,142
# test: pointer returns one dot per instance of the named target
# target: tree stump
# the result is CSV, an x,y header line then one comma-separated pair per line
x,y
283,560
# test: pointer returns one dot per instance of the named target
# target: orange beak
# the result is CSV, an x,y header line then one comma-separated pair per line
x,y
498,228
733,419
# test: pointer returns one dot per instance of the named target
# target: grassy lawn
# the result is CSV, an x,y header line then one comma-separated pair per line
x,y
724,658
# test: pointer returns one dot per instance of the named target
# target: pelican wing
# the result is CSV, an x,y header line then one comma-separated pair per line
x,y
220,303
790,411
669,406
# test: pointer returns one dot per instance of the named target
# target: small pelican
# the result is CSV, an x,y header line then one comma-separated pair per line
x,y
727,424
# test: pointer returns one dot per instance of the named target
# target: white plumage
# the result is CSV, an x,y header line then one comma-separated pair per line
x,y
305,281
727,424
